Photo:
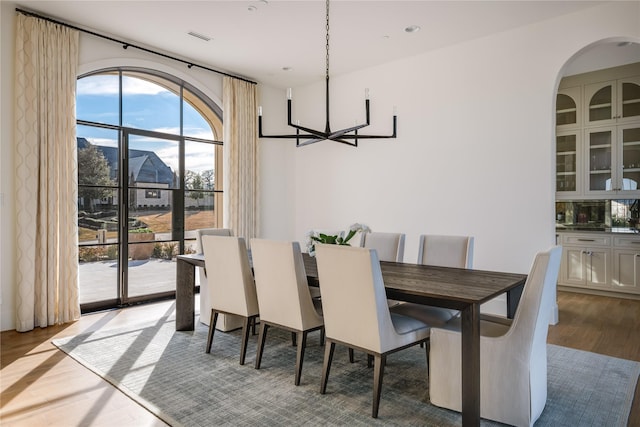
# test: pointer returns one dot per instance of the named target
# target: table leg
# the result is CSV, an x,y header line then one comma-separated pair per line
x,y
471,365
513,299
185,295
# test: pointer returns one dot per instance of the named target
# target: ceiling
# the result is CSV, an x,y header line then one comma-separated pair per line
x,y
257,39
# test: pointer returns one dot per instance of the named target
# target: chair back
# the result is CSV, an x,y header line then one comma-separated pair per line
x,y
281,284
528,332
446,251
210,232
354,302
230,280
390,246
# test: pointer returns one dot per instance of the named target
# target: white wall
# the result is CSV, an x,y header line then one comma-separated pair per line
x,y
475,147
474,153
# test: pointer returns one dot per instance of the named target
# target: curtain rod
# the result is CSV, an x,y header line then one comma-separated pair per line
x,y
127,44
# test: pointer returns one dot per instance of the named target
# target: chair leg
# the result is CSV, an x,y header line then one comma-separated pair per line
x,y
245,339
293,339
326,366
261,340
212,329
351,358
302,343
369,360
322,336
380,361
427,346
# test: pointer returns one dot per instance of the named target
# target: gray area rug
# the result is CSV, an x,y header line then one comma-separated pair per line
x,y
170,374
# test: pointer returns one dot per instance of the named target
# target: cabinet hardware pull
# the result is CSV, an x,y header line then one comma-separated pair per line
x,y
588,240
635,243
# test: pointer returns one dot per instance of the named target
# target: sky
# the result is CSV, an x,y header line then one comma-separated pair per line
x,y
147,106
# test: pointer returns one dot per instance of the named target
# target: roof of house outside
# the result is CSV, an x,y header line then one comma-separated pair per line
x,y
145,166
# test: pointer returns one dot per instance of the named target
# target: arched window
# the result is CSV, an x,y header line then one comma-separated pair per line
x,y
149,175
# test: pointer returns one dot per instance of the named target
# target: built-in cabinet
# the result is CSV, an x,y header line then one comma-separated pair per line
x,y
600,261
598,135
598,163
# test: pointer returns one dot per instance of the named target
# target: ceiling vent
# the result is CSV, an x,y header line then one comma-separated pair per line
x,y
200,36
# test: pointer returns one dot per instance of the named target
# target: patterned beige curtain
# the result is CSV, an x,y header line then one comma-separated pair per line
x,y
241,157
45,174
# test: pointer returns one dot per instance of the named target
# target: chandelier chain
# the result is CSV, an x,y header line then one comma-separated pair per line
x,y
348,136
327,27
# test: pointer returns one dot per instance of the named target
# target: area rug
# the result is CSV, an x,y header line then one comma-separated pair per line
x,y
170,374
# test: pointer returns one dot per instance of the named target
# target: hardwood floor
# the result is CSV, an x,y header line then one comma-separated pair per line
x,y
42,386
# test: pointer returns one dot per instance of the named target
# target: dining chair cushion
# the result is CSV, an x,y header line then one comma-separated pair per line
x,y
433,316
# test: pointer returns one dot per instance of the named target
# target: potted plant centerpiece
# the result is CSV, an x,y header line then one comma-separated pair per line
x,y
314,237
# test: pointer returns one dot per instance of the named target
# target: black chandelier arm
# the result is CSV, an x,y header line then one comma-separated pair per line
x,y
317,136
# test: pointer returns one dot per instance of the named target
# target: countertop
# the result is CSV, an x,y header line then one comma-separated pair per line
x,y
582,228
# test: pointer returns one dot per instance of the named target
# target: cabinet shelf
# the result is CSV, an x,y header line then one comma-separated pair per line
x,y
569,153
600,171
600,106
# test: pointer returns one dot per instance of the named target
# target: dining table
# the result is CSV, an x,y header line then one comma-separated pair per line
x,y
456,288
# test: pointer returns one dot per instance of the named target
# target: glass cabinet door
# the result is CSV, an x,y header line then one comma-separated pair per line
x,y
566,162
630,142
599,159
567,108
600,103
629,90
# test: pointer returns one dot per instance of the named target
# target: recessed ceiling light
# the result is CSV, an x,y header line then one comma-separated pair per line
x,y
412,29
287,68
252,8
199,36
623,44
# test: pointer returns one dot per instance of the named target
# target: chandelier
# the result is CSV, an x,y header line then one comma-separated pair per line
x,y
347,136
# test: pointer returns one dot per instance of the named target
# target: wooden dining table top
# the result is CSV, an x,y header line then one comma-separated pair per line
x,y
442,286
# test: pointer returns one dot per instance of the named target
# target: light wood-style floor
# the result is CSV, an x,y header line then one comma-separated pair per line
x,y
42,386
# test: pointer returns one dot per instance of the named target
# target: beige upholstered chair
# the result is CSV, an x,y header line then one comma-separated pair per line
x,y
283,295
349,274
225,322
390,246
231,281
444,251
513,358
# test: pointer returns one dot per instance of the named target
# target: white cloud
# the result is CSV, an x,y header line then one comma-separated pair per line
x,y
108,85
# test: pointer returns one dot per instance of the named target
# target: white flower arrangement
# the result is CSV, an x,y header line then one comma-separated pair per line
x,y
313,237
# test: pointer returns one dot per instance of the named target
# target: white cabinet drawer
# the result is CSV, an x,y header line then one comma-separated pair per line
x,y
628,242
586,240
